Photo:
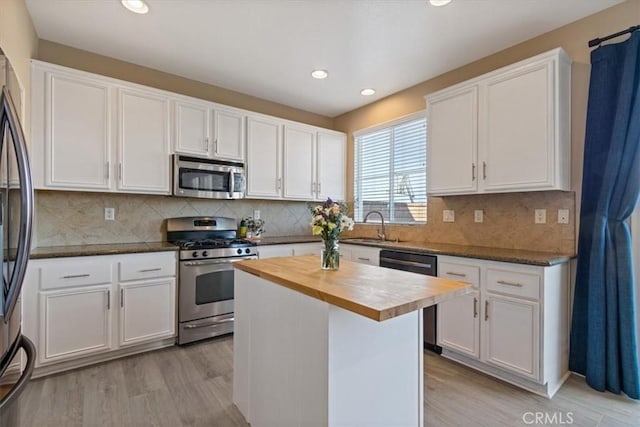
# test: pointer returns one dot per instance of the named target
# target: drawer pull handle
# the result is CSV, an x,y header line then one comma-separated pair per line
x,y
453,273
504,282
486,310
475,307
364,259
75,276
148,270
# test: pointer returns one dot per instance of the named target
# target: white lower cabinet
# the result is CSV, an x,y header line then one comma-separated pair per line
x,y
73,323
514,325
80,310
147,311
361,254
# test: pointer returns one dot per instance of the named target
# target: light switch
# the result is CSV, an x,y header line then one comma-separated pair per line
x,y
478,215
541,216
448,216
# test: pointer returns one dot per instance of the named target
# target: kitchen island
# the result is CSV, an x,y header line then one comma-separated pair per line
x,y
331,348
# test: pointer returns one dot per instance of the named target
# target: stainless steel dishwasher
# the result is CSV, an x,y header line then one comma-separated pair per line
x,y
420,263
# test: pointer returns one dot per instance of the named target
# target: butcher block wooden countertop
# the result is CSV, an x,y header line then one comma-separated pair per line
x,y
374,292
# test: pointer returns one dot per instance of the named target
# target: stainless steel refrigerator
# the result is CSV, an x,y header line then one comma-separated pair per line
x,y
16,215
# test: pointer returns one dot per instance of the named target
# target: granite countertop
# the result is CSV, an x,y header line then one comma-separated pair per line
x,y
517,256
479,252
105,249
373,292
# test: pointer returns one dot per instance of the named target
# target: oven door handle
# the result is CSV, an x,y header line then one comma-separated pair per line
x,y
216,261
212,323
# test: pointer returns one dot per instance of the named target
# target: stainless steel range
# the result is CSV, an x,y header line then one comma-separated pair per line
x,y
208,249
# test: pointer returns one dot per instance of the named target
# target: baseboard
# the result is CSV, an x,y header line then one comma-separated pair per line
x,y
55,368
547,390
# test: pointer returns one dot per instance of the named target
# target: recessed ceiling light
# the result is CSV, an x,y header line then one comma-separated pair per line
x,y
367,92
136,6
319,74
439,2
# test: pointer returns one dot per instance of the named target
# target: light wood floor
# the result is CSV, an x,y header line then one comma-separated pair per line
x,y
191,386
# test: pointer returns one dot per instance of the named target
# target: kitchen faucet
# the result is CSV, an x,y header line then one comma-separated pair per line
x,y
381,235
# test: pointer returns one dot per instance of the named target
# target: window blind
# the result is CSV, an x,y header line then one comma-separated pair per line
x,y
390,172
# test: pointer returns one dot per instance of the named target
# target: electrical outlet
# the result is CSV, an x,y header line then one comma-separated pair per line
x,y
448,216
563,216
478,215
109,214
541,216
256,214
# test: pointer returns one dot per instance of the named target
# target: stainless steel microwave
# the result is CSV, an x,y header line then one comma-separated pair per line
x,y
208,178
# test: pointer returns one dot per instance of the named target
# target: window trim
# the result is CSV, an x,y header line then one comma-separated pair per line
x,y
389,124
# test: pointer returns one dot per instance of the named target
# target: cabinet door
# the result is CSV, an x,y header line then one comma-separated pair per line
x,y
331,163
518,129
147,311
452,126
512,335
192,121
264,164
143,149
307,249
365,255
229,134
272,251
459,324
77,133
299,163
459,318
74,323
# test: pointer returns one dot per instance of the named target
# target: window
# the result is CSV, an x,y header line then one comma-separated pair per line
x,y
390,170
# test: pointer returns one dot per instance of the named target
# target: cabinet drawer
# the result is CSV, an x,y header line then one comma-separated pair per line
x,y
147,266
75,272
516,283
461,272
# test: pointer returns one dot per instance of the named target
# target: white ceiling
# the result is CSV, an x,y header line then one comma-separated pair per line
x,y
267,48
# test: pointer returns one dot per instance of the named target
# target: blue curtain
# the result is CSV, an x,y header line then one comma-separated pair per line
x,y
603,334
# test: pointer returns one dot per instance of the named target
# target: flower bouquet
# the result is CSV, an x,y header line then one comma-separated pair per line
x,y
329,219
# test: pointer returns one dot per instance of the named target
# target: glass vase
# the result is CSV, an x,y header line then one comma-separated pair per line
x,y
330,255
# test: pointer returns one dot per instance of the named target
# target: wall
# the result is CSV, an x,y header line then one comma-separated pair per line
x,y
19,42
73,218
573,38
83,60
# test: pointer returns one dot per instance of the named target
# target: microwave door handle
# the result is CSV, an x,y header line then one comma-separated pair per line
x,y
232,183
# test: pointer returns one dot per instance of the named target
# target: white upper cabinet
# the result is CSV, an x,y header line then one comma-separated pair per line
x,y
143,142
206,129
452,141
299,162
76,127
71,131
228,142
95,133
264,152
331,165
506,131
193,125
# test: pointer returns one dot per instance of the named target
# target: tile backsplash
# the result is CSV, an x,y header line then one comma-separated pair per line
x,y
508,222
73,218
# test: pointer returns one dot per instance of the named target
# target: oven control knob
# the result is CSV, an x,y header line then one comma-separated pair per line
x,y
239,251
205,253
247,251
194,254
